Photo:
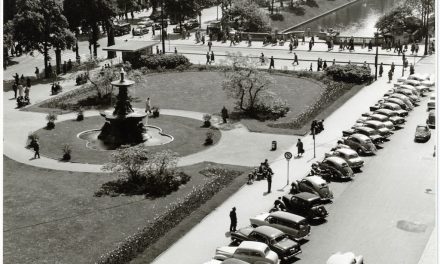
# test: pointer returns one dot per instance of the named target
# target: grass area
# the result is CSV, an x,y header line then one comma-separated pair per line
x,y
292,19
188,135
52,215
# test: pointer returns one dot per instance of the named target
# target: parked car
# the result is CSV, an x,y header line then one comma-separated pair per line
x,y
400,102
350,156
158,24
305,204
140,30
384,119
380,127
335,167
392,115
249,251
405,99
146,22
412,82
122,29
312,184
177,29
431,119
360,143
419,77
412,97
276,239
364,130
411,88
423,133
345,258
395,107
431,102
430,84
192,23
228,261
295,226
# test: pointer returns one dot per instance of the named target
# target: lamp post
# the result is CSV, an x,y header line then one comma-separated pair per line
x,y
162,28
376,58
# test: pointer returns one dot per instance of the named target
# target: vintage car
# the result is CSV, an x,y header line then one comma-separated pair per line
x,y
350,156
305,204
423,133
276,239
384,119
140,30
411,82
395,107
411,88
249,251
158,24
360,143
295,226
228,261
312,184
429,84
121,29
364,130
192,23
146,22
345,258
431,102
409,93
335,167
392,115
405,99
419,77
380,127
430,121
177,29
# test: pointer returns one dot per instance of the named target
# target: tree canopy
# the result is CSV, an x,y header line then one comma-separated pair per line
x,y
398,20
248,15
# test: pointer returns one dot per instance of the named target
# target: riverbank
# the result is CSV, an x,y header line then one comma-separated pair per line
x,y
310,13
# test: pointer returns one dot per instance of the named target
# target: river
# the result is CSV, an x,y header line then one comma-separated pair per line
x,y
356,20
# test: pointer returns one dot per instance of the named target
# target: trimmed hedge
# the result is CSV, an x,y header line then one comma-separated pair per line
x,y
167,61
170,218
350,73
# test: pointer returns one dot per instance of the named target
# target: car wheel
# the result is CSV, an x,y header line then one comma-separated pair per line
x,y
359,151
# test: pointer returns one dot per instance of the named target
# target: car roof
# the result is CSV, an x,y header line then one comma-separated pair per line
x,y
360,136
334,159
268,231
379,116
432,112
306,196
233,261
374,122
384,110
345,151
288,216
253,245
365,128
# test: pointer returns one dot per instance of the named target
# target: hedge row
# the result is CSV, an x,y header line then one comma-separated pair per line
x,y
167,61
170,218
350,73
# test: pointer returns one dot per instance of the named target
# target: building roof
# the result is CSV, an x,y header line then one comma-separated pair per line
x,y
131,45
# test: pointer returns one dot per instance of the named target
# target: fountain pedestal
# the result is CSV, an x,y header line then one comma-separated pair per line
x,y
123,125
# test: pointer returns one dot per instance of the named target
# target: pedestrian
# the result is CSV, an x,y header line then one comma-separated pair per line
x,y
188,34
148,106
311,67
132,32
69,65
207,58
64,67
27,90
324,65
392,67
225,114
49,69
203,39
269,179
295,59
310,45
153,30
390,76
36,147
37,73
20,89
233,217
28,82
209,45
175,50
381,69
272,63
365,64
303,41
262,58
312,40
22,79
334,62
290,47
417,48
300,147
363,43
370,45
15,89
411,69
413,48
212,56
157,50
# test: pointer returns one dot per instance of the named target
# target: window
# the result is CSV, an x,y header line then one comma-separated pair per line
x,y
255,254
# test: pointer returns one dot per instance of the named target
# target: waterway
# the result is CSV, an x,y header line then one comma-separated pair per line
x,y
356,20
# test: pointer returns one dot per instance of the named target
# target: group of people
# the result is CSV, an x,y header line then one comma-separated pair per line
x,y
82,78
56,88
349,45
22,86
264,171
321,65
210,58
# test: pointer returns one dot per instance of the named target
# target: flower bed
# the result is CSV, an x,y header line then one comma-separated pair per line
x,y
173,215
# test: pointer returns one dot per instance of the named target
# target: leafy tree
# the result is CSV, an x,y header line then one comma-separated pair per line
x,y
251,16
128,6
423,9
180,9
245,83
41,25
395,20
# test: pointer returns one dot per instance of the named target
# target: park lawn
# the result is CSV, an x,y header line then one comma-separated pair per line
x,y
188,135
52,216
291,19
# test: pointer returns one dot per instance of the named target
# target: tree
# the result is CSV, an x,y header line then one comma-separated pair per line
x,y
180,9
40,25
245,83
250,16
423,8
394,20
128,6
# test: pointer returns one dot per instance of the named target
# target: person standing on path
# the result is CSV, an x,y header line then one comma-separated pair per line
x,y
207,58
37,73
411,69
209,45
272,63
390,76
300,147
324,66
295,59
381,69
269,179
225,114
290,47
148,106
417,48
15,89
310,45
212,56
262,58
36,147
233,217
175,50
311,67
392,67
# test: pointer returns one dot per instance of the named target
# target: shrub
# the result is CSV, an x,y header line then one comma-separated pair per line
x,y
270,107
67,150
349,73
312,3
157,62
155,111
277,16
209,138
207,120
297,9
51,117
80,115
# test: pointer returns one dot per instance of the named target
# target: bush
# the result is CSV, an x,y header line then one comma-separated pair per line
x,y
158,62
270,107
67,150
277,16
155,111
207,120
209,138
297,9
349,73
51,117
312,3
80,115
173,214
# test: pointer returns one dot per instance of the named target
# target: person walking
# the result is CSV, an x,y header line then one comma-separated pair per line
x,y
290,47
413,48
269,179
262,60
37,73
175,50
148,106
272,63
392,67
212,56
324,66
390,76
411,69
36,147
300,147
15,89
203,39
311,67
417,48
225,114
209,45
233,217
310,45
208,58
28,82
295,59
370,46
16,78
381,69
157,50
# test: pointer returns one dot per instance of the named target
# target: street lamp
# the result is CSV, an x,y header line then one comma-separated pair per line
x,y
162,28
376,58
